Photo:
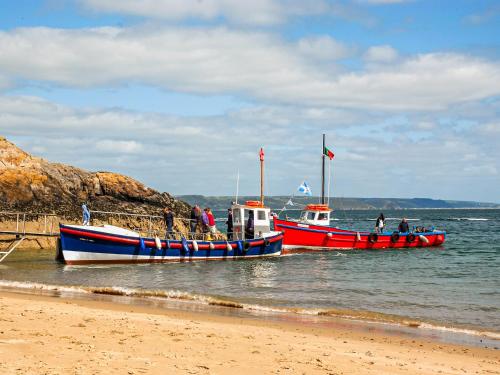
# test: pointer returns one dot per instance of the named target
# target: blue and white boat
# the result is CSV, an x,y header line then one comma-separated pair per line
x,y
83,244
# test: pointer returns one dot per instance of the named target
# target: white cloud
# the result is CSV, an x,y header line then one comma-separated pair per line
x,y
204,153
383,54
256,12
481,170
425,125
383,2
490,129
254,65
489,14
5,83
324,48
120,147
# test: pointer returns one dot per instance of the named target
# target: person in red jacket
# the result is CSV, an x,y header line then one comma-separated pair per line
x,y
211,221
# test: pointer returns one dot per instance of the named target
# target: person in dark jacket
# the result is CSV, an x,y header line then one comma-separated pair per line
x,y
229,224
168,218
403,226
195,218
249,229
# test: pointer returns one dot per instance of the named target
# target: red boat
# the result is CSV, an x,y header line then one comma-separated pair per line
x,y
312,232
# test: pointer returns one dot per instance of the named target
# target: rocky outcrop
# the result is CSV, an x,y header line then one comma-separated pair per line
x,y
29,183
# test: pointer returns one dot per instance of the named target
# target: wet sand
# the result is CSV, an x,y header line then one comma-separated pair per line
x,y
48,335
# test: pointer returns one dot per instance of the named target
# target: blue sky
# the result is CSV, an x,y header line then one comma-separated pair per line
x,y
180,94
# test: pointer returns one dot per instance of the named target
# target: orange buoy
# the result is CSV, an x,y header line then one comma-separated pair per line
x,y
318,207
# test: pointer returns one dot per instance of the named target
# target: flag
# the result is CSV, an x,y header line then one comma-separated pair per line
x,y
261,154
328,153
304,188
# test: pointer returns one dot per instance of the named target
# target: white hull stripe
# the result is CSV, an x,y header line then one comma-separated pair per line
x,y
77,256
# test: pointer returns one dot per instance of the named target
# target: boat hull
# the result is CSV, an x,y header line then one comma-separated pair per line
x,y
87,246
299,237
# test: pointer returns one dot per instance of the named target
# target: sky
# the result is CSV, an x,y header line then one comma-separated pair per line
x,y
181,94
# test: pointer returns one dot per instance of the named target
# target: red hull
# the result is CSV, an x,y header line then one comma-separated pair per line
x,y
305,238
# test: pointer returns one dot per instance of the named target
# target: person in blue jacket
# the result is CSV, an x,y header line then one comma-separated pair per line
x,y
86,214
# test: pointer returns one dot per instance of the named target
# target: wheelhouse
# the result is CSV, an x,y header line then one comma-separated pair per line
x,y
316,214
250,220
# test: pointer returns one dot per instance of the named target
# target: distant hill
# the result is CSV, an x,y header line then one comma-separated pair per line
x,y
277,202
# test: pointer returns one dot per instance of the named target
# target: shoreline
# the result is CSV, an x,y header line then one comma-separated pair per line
x,y
182,301
103,336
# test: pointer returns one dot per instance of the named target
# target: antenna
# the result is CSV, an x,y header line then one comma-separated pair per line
x,y
261,157
237,186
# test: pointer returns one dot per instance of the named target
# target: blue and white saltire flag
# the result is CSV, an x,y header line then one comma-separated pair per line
x,y
305,189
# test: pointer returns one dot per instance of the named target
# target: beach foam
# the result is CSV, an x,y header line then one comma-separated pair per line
x,y
176,295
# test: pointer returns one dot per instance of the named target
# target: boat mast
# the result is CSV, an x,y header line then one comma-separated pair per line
x,y
261,157
323,172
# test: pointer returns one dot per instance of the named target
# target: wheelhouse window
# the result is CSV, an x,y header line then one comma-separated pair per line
x,y
322,216
237,216
261,215
308,215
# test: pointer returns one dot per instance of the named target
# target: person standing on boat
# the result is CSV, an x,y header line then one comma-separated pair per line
x,y
195,218
86,214
403,226
211,222
229,224
168,217
204,220
379,225
249,229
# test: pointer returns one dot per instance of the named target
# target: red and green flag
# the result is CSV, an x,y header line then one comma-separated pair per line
x,y
329,153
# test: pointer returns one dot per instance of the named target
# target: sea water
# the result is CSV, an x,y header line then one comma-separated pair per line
x,y
456,285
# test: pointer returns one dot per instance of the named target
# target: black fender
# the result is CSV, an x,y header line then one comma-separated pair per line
x,y
373,237
395,237
410,237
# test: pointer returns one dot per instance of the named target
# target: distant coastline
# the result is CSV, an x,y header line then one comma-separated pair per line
x,y
277,202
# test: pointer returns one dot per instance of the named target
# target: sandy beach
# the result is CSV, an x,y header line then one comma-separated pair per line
x,y
49,335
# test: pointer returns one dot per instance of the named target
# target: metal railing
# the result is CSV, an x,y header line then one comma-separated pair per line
x,y
152,226
40,224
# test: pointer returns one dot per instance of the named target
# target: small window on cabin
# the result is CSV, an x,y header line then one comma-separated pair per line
x,y
237,216
310,215
261,215
322,216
